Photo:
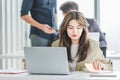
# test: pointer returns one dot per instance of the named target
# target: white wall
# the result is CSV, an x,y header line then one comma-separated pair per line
x,y
110,22
12,34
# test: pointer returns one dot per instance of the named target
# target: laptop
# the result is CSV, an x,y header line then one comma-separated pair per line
x,y
46,60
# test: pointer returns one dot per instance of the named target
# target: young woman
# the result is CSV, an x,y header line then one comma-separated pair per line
x,y
73,35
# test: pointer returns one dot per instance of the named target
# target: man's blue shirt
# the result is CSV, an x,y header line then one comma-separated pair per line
x,y
42,11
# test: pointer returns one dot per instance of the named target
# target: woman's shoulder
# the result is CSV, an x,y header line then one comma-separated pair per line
x,y
56,43
91,41
93,44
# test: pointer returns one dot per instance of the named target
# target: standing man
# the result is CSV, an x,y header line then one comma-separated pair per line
x,y
42,20
93,26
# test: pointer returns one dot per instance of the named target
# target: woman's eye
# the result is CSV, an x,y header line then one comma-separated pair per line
x,y
70,27
78,27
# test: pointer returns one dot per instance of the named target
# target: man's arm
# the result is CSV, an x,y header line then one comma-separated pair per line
x,y
25,8
44,27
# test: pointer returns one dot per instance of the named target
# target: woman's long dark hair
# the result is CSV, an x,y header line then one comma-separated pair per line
x,y
66,41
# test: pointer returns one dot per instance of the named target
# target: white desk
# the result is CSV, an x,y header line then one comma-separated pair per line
x,y
114,56
73,76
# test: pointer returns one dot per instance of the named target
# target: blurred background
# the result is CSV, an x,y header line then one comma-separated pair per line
x,y
14,32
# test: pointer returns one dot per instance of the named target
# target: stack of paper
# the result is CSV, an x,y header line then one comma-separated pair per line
x,y
11,71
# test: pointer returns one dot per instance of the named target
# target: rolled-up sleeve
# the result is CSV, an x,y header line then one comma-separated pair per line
x,y
55,7
26,6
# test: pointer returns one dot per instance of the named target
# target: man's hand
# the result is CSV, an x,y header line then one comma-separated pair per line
x,y
44,27
48,29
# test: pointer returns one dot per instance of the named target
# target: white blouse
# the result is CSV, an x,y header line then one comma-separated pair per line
x,y
74,49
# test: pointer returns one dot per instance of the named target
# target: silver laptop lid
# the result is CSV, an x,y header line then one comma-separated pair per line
x,y
46,60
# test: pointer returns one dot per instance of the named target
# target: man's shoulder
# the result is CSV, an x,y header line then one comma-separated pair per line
x,y
91,20
92,24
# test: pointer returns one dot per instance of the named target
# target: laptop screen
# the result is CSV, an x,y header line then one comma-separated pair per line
x,y
46,60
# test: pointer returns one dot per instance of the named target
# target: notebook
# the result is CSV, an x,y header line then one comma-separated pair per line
x,y
99,73
104,74
46,60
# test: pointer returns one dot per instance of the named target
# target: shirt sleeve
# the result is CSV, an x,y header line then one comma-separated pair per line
x,y
55,7
26,6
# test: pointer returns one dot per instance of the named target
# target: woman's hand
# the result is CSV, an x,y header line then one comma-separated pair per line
x,y
97,65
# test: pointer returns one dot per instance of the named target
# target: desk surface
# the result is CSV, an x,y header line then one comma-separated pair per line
x,y
72,76
113,55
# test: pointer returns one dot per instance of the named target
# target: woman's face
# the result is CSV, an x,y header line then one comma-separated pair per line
x,y
74,31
